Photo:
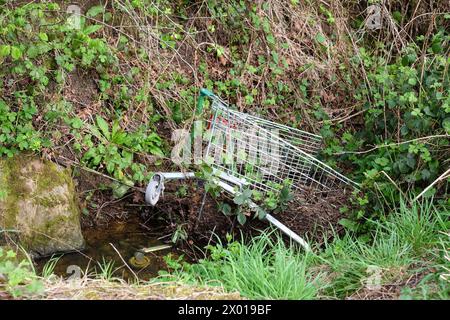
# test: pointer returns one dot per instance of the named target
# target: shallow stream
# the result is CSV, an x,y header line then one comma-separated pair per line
x,y
118,242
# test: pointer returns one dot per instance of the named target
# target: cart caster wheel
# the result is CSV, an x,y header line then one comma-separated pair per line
x,y
154,189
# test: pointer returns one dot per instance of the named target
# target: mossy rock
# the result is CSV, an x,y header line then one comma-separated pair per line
x,y
38,206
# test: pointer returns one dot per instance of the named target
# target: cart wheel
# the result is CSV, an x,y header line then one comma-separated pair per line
x,y
154,189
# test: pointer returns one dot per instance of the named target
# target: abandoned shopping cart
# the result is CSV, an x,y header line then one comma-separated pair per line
x,y
250,152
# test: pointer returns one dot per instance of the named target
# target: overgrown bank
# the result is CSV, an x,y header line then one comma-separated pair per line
x,y
405,258
104,93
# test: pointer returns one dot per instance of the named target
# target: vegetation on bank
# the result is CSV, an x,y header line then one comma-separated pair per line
x,y
105,92
406,258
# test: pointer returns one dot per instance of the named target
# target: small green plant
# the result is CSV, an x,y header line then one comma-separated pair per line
x,y
18,277
180,234
49,267
275,200
173,263
114,149
106,269
264,268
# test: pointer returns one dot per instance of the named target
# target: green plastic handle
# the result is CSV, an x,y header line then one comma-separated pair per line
x,y
206,92
201,100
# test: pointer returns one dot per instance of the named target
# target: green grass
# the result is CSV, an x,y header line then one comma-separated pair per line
x,y
410,242
106,271
49,267
403,243
264,268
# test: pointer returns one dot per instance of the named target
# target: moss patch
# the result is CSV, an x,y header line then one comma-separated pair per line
x,y
39,201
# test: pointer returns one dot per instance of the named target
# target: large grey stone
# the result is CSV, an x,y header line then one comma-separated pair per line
x,y
38,206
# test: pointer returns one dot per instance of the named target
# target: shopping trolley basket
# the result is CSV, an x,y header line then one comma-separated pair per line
x,y
246,151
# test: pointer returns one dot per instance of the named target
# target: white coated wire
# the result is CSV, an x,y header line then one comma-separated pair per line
x,y
267,154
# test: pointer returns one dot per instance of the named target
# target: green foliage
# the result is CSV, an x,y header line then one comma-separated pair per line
x,y
247,200
262,269
406,115
17,132
40,49
411,242
18,278
114,148
409,102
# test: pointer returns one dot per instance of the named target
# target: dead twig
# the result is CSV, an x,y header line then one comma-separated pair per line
x,y
443,176
392,144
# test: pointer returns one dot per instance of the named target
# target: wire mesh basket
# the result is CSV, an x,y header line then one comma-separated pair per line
x,y
267,154
247,151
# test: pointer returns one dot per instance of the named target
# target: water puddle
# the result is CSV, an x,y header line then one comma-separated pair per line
x,y
103,246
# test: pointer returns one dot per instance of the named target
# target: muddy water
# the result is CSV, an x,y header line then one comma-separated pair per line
x,y
127,237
